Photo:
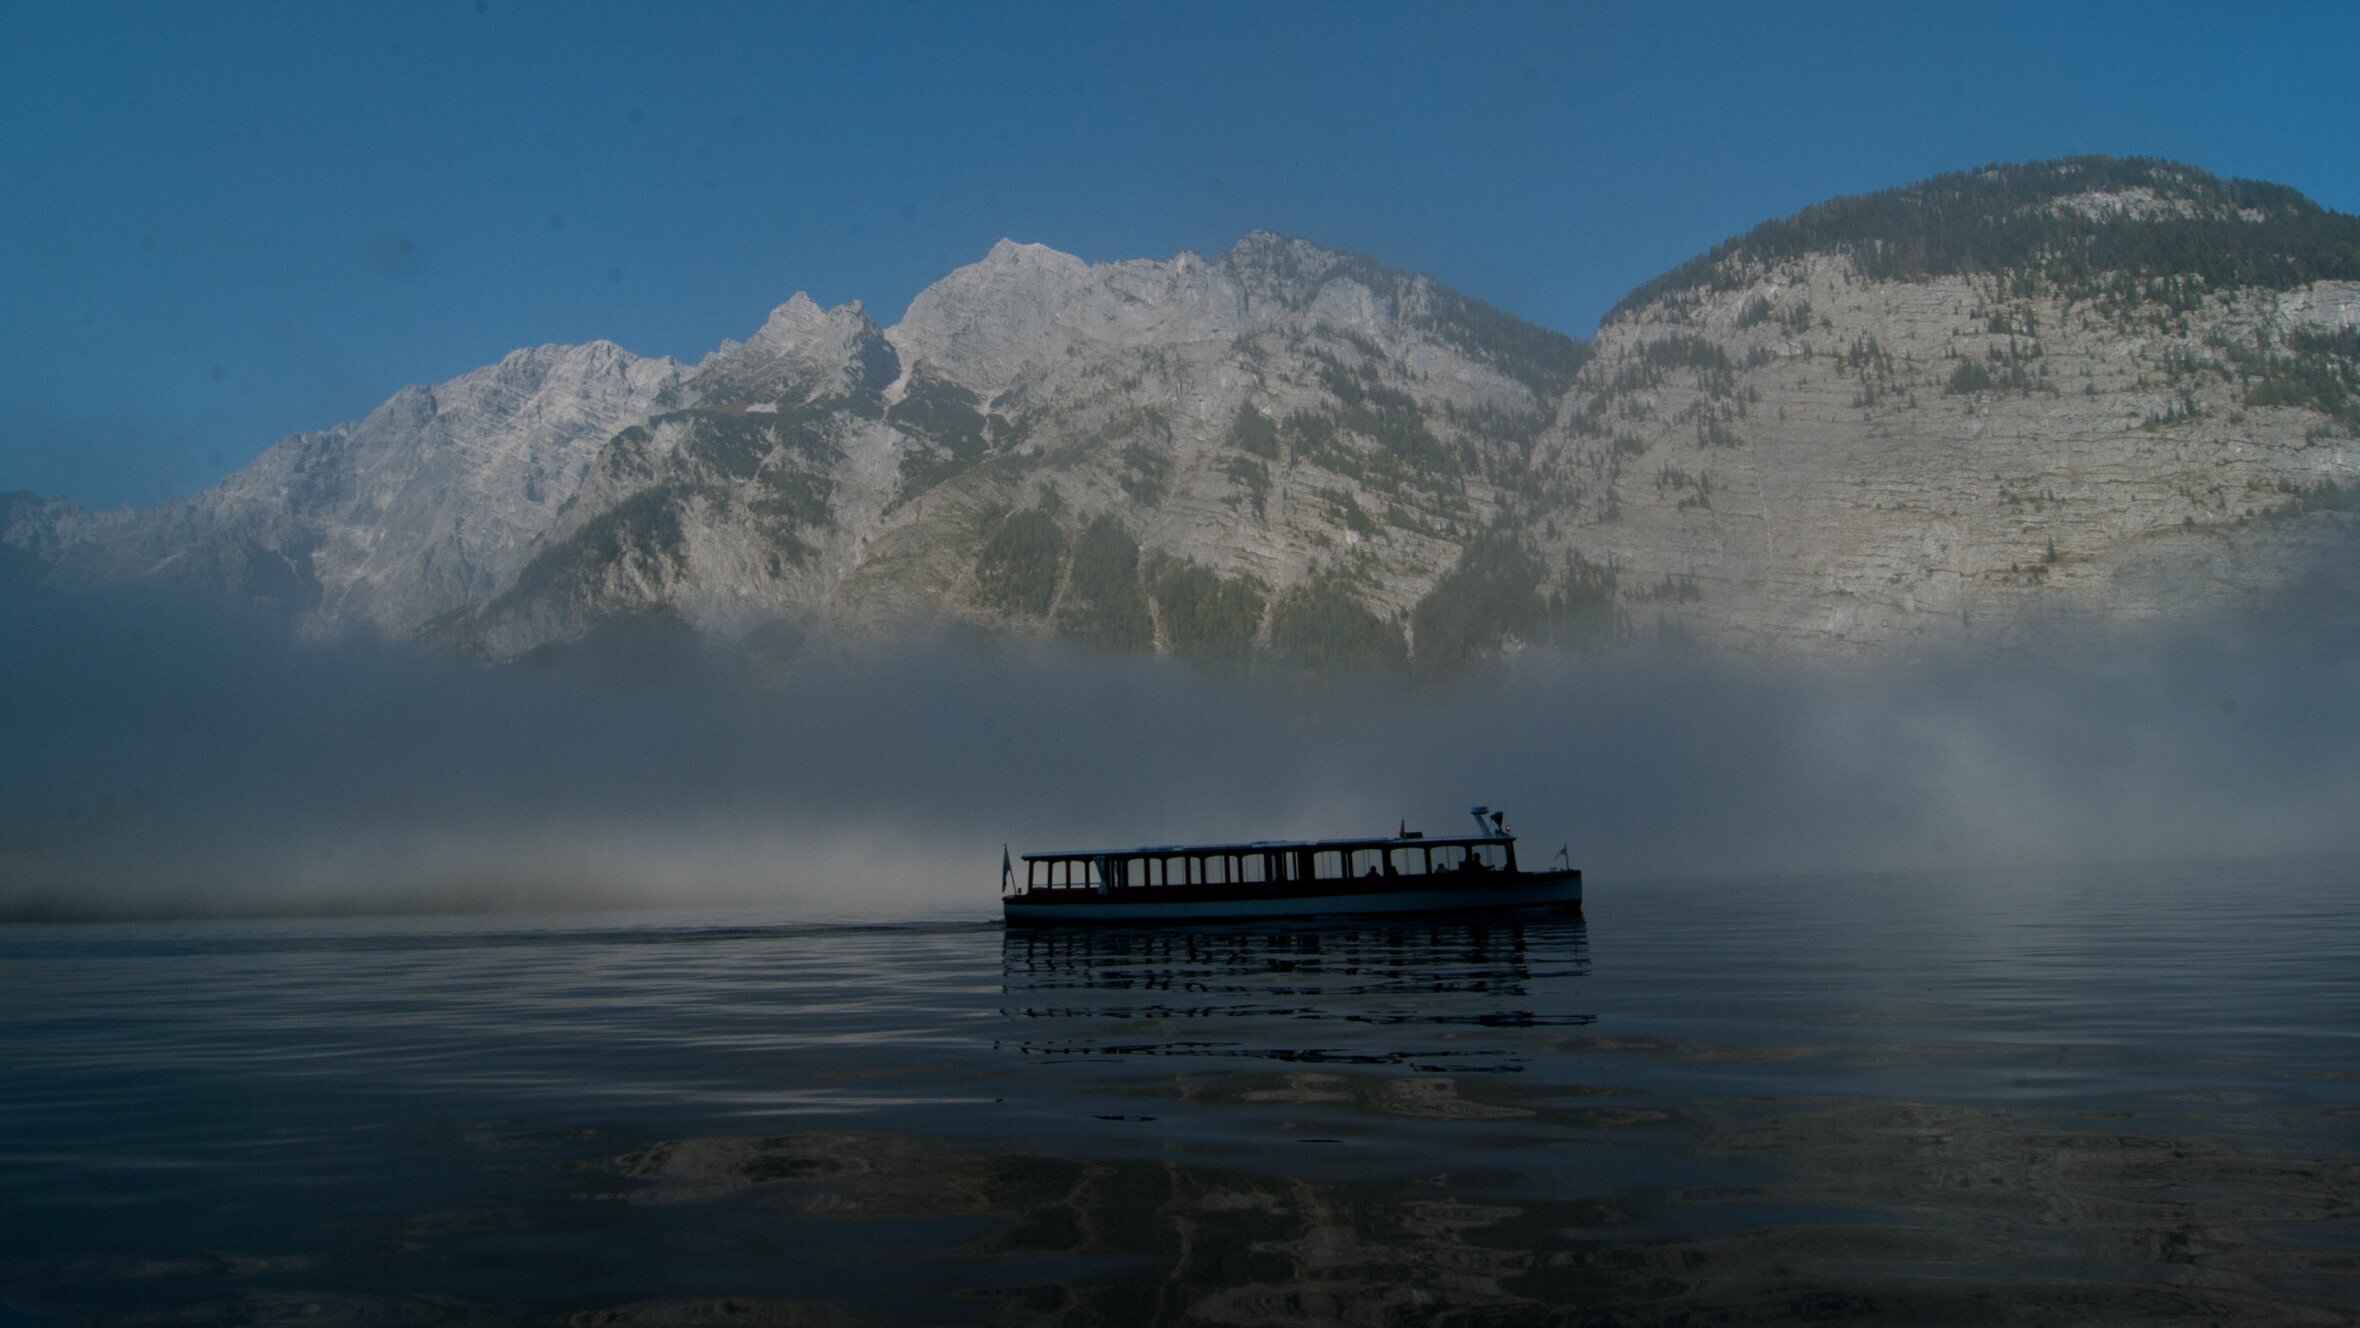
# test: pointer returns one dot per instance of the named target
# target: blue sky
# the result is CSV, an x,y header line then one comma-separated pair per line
x,y
225,223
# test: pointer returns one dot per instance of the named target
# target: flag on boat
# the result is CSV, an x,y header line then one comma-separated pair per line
x,y
1007,868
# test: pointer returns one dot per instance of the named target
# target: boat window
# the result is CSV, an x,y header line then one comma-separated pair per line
x,y
1216,869
1175,871
1449,857
1492,856
1254,868
1409,861
1327,864
1368,862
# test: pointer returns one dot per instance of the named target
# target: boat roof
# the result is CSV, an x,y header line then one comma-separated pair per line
x,y
1267,845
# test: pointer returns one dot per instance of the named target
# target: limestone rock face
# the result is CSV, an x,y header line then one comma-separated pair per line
x,y
1966,411
1899,472
1210,427
422,507
35,531
802,351
1798,449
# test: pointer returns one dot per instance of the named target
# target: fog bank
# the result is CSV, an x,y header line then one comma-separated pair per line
x,y
161,758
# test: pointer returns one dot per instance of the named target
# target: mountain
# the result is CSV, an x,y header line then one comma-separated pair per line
x,y
1193,455
422,507
1960,411
1966,409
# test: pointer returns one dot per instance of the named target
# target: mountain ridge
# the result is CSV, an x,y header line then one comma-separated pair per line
x,y
1947,412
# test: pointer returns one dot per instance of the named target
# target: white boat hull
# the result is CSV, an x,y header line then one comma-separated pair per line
x,y
1531,890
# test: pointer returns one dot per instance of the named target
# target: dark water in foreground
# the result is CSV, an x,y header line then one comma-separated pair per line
x,y
2041,1097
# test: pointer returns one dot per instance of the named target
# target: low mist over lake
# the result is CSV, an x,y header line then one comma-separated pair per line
x,y
167,761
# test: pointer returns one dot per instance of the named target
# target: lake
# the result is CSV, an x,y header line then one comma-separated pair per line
x,y
2040,1096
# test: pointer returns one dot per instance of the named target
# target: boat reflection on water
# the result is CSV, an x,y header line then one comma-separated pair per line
x,y
1417,995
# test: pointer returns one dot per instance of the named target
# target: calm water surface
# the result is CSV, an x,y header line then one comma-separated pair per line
x,y
2057,1096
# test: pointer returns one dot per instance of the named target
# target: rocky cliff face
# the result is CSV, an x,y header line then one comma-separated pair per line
x,y
422,507
1960,412
1944,460
1953,412
1281,444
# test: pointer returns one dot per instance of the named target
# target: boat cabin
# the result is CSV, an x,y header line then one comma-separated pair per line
x,y
1271,863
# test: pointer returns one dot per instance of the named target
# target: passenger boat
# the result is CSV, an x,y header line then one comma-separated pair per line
x,y
1320,878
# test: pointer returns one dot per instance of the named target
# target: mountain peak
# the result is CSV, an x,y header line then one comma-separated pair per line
x,y
2073,223
979,322
1261,248
802,318
1016,254
801,350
